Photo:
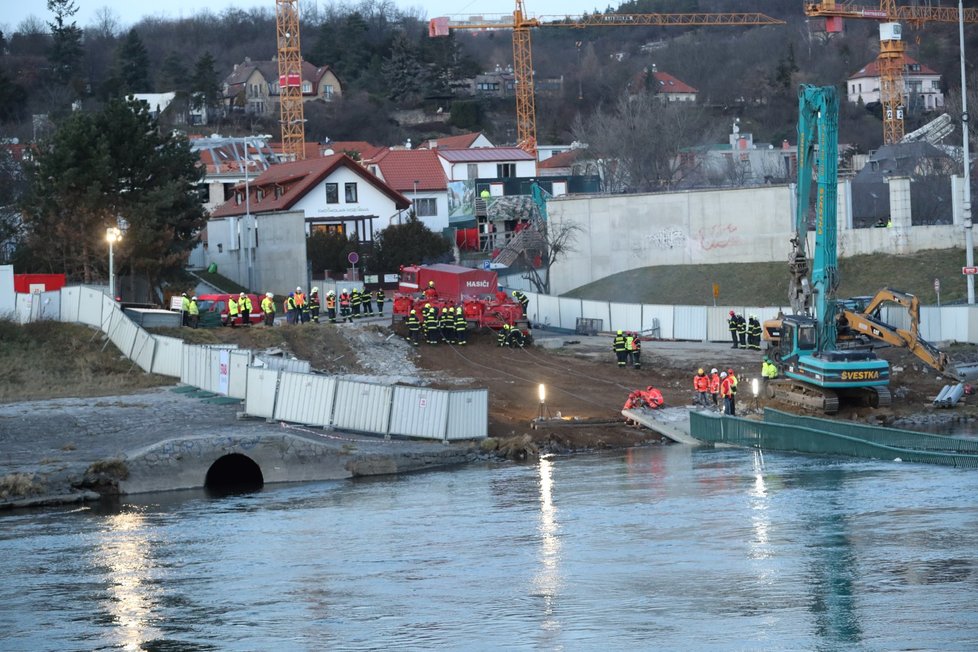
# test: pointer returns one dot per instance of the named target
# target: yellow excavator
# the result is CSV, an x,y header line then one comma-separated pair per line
x,y
859,324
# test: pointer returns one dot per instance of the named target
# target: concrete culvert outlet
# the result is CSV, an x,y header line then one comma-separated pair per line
x,y
234,473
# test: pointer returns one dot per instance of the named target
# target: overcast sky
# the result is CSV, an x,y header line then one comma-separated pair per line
x,y
129,12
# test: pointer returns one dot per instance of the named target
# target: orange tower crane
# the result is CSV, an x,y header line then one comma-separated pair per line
x,y
290,79
521,24
891,57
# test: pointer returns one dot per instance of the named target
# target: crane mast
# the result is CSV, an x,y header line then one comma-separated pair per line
x,y
290,79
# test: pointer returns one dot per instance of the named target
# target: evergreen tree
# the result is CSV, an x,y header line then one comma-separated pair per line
x,y
132,63
406,77
406,244
66,40
13,98
204,84
328,251
173,74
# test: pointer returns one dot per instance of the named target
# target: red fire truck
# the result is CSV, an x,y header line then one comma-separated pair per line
x,y
476,290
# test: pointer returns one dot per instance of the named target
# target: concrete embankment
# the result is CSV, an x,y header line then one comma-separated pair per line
x,y
69,450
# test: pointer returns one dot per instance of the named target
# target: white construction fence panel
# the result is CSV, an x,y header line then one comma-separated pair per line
x,y
930,323
625,317
238,373
468,415
23,306
8,298
70,297
90,306
718,328
895,316
419,412
122,332
548,311
362,407
47,305
570,311
109,308
167,356
597,310
260,397
198,366
143,350
532,307
954,322
656,317
305,398
689,323
283,364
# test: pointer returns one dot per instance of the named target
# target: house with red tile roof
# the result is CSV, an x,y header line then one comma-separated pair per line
x,y
921,86
486,163
417,174
665,86
258,237
462,141
357,149
253,86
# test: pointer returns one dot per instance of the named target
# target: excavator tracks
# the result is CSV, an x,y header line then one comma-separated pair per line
x,y
826,400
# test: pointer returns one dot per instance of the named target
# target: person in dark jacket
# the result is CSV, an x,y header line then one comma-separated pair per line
x,y
620,349
732,324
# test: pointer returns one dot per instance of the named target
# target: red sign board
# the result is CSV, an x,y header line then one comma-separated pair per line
x,y
291,79
969,270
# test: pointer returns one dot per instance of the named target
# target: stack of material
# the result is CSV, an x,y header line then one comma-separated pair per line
x,y
148,318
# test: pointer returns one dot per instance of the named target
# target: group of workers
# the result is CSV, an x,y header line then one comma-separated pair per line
x,y
190,310
301,308
744,333
716,386
447,324
627,346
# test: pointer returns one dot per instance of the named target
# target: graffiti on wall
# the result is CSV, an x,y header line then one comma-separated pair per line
x,y
664,239
718,236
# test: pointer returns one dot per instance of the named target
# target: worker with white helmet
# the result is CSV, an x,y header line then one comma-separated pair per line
x,y
302,310
331,306
345,305
245,307
193,313
268,308
314,305
715,387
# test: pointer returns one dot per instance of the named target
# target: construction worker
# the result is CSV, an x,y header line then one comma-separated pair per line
x,y
185,309
355,301
726,394
732,325
345,305
715,386
268,308
366,298
302,312
485,194
331,306
414,327
732,377
245,307
381,298
193,312
633,348
742,331
460,326
314,305
523,300
446,321
754,333
769,370
291,309
232,311
503,338
620,349
701,383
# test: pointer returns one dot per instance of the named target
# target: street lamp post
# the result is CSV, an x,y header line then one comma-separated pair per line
x,y
112,235
969,238
416,182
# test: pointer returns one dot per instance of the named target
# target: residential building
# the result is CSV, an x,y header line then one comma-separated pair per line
x,y
258,237
462,141
417,174
667,87
921,91
229,162
177,108
359,150
253,86
501,82
738,162
495,162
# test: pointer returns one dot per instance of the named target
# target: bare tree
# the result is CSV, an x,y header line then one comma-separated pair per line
x,y
556,242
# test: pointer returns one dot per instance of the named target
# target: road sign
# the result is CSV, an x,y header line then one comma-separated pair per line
x,y
937,285
353,257
486,264
716,290
969,270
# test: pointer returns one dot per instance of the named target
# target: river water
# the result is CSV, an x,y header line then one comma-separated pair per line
x,y
665,548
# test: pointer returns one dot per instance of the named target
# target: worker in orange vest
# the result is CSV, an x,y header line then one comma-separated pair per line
x,y
701,383
726,392
715,386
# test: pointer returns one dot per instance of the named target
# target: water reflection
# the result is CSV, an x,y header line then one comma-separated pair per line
x,y
547,578
760,517
125,551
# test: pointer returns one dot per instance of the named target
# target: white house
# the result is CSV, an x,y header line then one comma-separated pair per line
x,y
258,237
417,174
486,163
921,91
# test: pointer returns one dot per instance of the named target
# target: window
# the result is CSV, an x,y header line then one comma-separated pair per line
x,y
328,91
471,171
306,87
328,228
332,193
351,192
506,170
426,207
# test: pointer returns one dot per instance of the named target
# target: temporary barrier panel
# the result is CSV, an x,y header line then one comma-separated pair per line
x,y
305,398
23,307
625,317
238,377
90,306
548,311
363,407
47,305
143,349
597,310
283,364
260,395
658,316
167,356
419,412
8,296
954,323
197,365
930,323
122,332
570,312
468,415
689,323
69,303
109,307
895,316
718,327
532,307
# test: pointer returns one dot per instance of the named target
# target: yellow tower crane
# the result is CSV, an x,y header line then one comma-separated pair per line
x,y
290,79
521,24
891,57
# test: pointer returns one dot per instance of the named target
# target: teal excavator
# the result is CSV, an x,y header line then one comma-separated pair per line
x,y
815,373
